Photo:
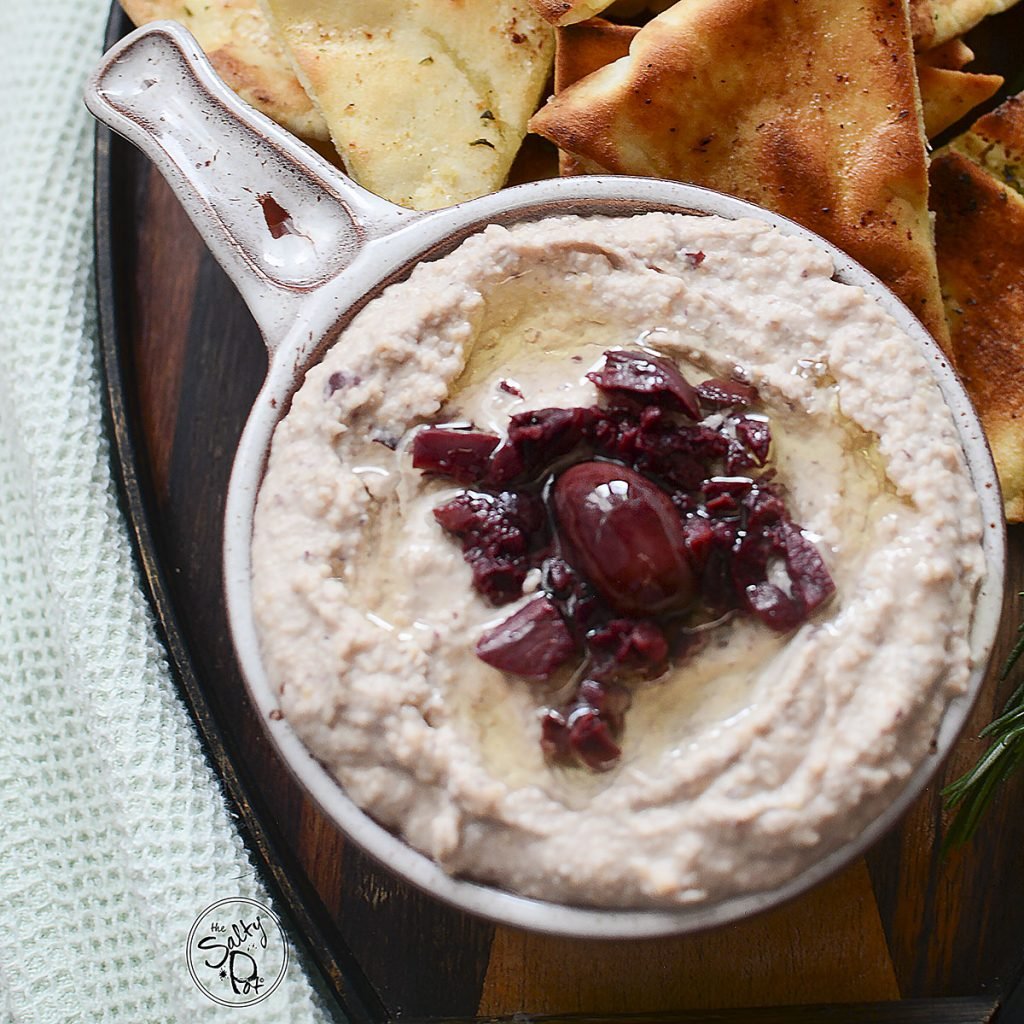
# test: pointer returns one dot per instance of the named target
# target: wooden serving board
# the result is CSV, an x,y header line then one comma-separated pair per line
x,y
901,934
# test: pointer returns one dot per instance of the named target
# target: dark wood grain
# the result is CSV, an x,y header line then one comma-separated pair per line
x,y
184,361
970,903
975,928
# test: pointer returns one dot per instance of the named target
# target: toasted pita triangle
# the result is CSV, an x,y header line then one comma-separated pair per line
x,y
979,229
580,50
934,22
996,142
954,56
236,37
947,95
713,93
426,105
568,12
947,92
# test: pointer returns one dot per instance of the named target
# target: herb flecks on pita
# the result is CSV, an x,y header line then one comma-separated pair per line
x,y
568,12
996,142
980,241
716,92
947,92
935,22
427,105
979,234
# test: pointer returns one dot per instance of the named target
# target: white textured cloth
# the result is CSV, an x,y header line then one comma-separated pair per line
x,y
114,833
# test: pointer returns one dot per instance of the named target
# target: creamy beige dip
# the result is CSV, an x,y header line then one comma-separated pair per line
x,y
739,768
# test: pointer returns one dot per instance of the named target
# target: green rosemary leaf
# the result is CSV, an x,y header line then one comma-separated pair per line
x,y
971,794
1015,654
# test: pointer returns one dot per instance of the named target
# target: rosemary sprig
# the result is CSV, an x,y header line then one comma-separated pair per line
x,y
971,794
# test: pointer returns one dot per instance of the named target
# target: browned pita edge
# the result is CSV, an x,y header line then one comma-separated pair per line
x,y
580,50
979,229
996,142
922,24
954,56
569,12
947,92
934,22
716,92
583,48
948,95
1004,126
426,109
237,40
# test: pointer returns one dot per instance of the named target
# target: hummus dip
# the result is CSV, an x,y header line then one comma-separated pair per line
x,y
742,765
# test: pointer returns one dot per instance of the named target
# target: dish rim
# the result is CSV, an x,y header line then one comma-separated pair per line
x,y
528,202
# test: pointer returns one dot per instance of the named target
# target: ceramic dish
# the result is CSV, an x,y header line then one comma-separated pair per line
x,y
240,178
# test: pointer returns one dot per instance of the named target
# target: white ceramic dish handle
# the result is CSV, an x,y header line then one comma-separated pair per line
x,y
281,221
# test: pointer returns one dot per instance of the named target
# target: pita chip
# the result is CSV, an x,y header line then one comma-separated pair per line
x,y
427,106
568,12
716,92
580,50
947,92
996,142
948,95
979,230
954,56
235,36
934,22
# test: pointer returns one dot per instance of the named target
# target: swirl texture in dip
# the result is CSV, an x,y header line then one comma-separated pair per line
x,y
744,764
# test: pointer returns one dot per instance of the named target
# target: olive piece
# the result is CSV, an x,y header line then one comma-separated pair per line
x,y
624,535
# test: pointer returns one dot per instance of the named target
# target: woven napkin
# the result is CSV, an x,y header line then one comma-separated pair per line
x,y
114,832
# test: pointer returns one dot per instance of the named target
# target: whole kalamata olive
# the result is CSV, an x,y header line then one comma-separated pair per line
x,y
623,533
